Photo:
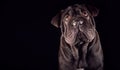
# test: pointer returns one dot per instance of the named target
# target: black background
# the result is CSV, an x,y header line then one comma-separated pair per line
x,y
31,42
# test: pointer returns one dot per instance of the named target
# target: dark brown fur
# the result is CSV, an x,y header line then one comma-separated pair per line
x,y
80,45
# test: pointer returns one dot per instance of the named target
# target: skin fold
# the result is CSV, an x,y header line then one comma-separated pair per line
x,y
80,46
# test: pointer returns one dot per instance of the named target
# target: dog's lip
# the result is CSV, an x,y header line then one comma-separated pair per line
x,y
89,35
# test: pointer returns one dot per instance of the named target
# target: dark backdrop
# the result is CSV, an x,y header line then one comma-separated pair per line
x,y
35,43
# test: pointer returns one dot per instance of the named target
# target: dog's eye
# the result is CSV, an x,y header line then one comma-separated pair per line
x,y
85,13
67,17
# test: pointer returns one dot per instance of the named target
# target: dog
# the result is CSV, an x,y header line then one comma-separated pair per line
x,y
80,46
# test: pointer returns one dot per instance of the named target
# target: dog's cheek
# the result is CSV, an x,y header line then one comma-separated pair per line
x,y
70,39
91,35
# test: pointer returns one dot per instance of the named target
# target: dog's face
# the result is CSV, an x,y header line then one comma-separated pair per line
x,y
76,23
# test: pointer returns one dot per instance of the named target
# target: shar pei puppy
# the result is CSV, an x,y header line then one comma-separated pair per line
x,y
80,47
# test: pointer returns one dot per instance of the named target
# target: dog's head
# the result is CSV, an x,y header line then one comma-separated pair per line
x,y
76,23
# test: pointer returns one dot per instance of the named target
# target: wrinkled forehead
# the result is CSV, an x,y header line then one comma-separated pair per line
x,y
75,10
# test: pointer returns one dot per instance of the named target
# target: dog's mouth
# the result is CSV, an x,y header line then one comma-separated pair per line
x,y
79,38
84,37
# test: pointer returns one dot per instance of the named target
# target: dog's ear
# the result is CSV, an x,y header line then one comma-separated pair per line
x,y
56,20
93,10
